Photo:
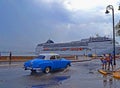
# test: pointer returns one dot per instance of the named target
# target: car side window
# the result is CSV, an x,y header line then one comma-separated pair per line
x,y
52,58
57,57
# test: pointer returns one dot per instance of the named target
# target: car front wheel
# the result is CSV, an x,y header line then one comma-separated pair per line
x,y
47,70
33,71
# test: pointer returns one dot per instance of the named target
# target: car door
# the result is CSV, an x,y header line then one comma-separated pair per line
x,y
56,62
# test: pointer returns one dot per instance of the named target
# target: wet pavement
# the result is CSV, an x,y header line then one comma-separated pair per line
x,y
79,75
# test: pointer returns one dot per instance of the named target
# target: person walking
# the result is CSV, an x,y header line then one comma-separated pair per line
x,y
10,57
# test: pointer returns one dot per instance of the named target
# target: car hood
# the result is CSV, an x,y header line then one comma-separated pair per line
x,y
33,61
37,59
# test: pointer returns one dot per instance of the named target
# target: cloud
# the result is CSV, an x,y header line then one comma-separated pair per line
x,y
26,23
87,4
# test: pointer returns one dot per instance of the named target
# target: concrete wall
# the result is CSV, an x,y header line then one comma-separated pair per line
x,y
25,58
16,58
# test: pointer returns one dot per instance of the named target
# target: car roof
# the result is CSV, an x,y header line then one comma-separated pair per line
x,y
48,55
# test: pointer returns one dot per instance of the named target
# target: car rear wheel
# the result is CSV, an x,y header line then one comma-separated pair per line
x,y
33,71
47,70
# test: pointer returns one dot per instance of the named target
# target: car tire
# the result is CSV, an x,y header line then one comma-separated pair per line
x,y
47,70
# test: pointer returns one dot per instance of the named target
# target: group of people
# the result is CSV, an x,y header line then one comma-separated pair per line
x,y
107,60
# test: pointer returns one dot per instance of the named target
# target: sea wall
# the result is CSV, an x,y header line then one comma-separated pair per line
x,y
16,58
25,58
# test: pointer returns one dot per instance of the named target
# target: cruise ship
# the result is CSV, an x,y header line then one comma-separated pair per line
x,y
93,45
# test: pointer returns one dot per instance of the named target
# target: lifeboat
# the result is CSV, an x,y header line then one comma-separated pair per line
x,y
63,49
80,48
73,49
76,49
45,49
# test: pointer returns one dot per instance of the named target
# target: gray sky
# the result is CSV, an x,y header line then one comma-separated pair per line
x,y
26,23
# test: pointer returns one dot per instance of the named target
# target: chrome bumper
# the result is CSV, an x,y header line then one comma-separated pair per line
x,y
29,68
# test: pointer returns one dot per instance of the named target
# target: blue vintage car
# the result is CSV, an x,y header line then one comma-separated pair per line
x,y
47,63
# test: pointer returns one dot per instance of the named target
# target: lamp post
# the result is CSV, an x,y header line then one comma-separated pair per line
x,y
119,7
110,7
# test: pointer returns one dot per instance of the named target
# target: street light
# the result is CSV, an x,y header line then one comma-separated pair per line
x,y
110,7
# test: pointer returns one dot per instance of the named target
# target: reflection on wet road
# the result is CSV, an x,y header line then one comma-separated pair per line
x,y
79,75
56,80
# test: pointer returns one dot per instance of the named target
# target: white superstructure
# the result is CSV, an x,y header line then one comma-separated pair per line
x,y
93,45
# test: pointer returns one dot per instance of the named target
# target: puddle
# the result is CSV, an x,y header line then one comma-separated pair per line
x,y
54,81
60,78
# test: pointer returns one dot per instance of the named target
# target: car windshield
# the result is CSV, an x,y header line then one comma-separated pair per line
x,y
41,57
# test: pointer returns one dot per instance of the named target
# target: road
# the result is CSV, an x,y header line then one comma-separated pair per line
x,y
79,75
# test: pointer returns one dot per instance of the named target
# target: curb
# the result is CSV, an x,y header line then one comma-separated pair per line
x,y
80,60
